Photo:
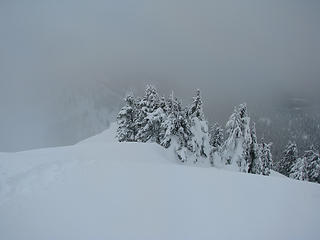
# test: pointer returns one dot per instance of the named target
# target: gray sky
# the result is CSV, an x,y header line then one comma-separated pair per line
x,y
234,51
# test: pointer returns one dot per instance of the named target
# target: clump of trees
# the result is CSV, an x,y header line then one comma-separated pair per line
x,y
241,148
154,118
305,168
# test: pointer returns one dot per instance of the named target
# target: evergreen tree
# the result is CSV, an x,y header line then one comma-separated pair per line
x,y
266,158
290,155
170,126
152,130
255,164
198,143
184,151
151,99
233,135
245,129
313,164
299,169
126,119
216,136
216,141
150,116
162,104
307,168
196,108
238,139
175,129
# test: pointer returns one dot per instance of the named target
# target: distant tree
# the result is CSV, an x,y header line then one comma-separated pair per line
x,y
126,119
290,156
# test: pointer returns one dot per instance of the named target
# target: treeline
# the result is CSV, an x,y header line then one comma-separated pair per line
x,y
305,168
300,126
154,118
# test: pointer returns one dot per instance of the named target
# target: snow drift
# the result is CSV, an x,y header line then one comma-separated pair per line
x,y
101,189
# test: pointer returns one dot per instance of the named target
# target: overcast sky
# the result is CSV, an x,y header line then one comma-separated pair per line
x,y
234,51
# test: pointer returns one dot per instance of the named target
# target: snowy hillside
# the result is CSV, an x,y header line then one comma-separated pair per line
x,y
101,189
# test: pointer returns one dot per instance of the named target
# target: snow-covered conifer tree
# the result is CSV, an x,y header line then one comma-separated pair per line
x,y
150,116
245,129
307,168
169,127
266,157
299,169
233,134
255,164
162,104
216,136
196,107
216,141
175,129
199,140
313,164
184,151
151,99
126,118
290,155
238,139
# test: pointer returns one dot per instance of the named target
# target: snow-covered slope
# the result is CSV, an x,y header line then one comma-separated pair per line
x,y
100,189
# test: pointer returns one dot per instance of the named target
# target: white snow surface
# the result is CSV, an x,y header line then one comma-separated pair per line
x,y
101,189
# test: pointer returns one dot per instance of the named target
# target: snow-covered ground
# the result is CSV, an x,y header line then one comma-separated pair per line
x,y
101,189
